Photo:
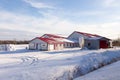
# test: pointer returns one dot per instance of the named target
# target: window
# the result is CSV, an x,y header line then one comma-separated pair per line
x,y
32,44
67,44
60,44
89,44
43,45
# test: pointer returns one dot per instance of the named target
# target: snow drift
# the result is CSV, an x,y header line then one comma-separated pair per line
x,y
109,72
91,62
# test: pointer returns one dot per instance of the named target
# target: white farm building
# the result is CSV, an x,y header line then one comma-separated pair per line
x,y
45,44
49,42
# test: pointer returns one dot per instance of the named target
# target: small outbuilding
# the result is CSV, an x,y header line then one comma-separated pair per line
x,y
7,47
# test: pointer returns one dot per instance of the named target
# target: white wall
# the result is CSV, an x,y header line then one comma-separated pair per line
x,y
50,47
42,46
38,44
76,36
68,45
60,46
92,44
110,43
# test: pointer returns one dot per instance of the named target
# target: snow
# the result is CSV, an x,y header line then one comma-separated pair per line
x,y
66,64
94,38
110,72
67,40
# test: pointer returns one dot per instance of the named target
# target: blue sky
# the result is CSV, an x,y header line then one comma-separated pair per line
x,y
26,19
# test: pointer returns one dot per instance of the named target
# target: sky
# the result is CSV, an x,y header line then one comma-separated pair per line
x,y
26,19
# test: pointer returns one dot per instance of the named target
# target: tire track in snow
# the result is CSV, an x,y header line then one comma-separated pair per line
x,y
25,62
29,61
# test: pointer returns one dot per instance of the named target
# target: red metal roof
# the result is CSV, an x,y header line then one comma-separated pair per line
x,y
50,40
88,34
53,36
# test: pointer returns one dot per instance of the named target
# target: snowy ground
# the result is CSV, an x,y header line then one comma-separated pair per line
x,y
25,64
110,72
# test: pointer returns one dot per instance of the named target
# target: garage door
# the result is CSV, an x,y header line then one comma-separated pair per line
x,y
103,44
51,47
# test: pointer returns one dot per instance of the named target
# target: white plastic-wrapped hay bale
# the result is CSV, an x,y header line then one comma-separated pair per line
x,y
7,47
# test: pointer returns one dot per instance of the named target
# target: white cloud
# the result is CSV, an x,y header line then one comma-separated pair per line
x,y
88,13
52,24
6,34
110,30
48,24
38,5
111,3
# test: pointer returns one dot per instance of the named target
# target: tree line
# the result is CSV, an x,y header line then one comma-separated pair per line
x,y
116,42
13,42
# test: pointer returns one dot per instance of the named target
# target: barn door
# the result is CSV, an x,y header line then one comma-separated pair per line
x,y
36,46
103,44
51,47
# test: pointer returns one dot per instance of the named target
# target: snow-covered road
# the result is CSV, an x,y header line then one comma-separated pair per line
x,y
55,65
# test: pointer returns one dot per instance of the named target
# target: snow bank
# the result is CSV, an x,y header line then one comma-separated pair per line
x,y
110,72
21,46
90,62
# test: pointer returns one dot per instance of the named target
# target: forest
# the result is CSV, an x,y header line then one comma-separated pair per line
x,y
14,42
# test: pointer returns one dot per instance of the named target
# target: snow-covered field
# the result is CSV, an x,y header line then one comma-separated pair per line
x,y
25,64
